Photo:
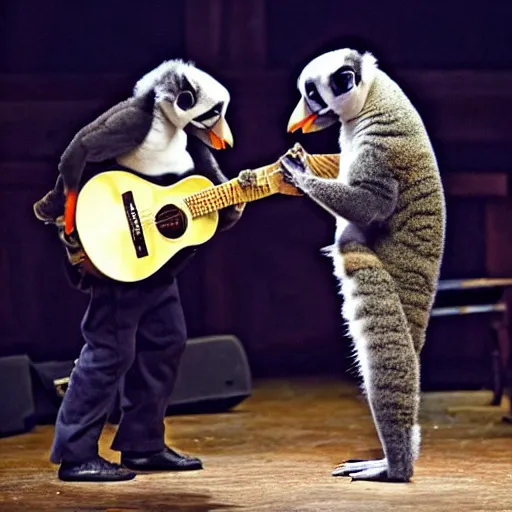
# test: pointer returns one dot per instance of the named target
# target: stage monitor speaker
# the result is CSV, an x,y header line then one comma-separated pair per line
x,y
49,383
213,376
16,400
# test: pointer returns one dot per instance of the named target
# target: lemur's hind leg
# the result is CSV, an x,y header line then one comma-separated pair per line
x,y
388,363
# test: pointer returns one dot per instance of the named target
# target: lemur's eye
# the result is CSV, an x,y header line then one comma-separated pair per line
x,y
313,94
186,100
342,81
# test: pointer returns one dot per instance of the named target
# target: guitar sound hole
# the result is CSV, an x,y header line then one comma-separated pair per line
x,y
171,221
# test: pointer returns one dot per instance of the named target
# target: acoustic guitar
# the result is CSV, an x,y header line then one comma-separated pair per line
x,y
129,227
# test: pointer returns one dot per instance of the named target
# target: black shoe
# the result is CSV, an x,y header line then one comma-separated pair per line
x,y
96,470
166,460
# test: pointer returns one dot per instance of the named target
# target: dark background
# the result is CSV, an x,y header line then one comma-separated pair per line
x,y
63,63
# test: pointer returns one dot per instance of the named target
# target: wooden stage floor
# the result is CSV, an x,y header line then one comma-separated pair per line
x,y
275,453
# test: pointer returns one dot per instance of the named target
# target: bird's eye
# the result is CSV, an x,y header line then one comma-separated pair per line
x,y
186,100
313,94
342,81
215,111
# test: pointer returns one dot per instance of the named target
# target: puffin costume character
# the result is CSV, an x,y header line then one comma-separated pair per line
x,y
134,333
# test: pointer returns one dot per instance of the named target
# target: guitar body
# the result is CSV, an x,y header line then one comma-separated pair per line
x,y
129,228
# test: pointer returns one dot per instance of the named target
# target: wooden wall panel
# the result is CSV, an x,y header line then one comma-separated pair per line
x,y
229,34
498,220
421,34
458,107
265,280
40,131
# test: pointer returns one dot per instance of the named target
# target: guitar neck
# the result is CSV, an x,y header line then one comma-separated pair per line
x,y
267,182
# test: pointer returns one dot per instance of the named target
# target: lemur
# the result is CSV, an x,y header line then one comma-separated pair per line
x,y
134,333
389,206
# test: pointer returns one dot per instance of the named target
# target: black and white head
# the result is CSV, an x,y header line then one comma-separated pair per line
x,y
191,100
333,88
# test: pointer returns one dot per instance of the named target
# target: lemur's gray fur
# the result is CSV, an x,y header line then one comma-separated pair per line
x,y
390,215
165,127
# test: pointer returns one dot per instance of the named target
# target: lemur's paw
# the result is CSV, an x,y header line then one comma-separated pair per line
x,y
297,151
297,155
295,170
368,470
247,178
353,465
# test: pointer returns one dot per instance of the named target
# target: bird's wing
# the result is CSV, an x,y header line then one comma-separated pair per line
x,y
115,132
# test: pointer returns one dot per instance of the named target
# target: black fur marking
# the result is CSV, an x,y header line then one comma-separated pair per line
x,y
186,100
313,94
214,111
187,86
342,80
148,103
354,62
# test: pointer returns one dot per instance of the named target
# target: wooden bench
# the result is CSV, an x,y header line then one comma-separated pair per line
x,y
497,303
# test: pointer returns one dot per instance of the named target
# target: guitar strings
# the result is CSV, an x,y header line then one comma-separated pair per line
x,y
148,216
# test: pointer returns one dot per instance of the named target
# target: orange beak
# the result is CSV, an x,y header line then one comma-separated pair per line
x,y
216,141
305,124
302,117
220,135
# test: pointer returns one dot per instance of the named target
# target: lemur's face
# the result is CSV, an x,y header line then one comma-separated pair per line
x,y
333,88
193,100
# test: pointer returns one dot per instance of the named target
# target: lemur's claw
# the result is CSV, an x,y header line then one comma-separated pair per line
x,y
297,149
293,171
369,470
288,171
247,178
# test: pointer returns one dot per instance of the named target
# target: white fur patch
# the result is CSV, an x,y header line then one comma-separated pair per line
x,y
346,159
337,260
369,66
356,328
163,151
416,441
351,304
341,225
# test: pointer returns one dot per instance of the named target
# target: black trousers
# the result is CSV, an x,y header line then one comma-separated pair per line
x,y
134,335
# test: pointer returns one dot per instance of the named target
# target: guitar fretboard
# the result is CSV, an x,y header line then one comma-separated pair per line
x,y
221,196
268,180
